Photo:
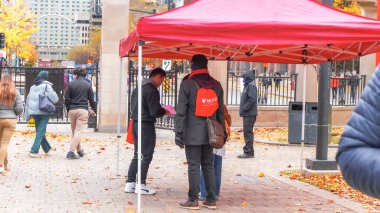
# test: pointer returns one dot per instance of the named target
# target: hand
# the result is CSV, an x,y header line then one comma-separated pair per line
x,y
92,113
179,140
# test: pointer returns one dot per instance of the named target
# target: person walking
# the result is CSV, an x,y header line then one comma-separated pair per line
x,y
41,119
151,109
191,131
248,110
78,95
218,159
10,107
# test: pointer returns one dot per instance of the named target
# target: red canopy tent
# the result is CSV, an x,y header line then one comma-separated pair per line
x,y
255,30
275,31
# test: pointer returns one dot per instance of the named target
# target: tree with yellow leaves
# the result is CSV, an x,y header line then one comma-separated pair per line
x,y
91,51
349,6
18,24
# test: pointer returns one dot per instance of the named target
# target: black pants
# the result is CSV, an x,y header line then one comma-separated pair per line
x,y
248,123
200,156
148,143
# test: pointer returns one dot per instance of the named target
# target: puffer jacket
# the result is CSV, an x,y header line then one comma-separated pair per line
x,y
32,101
12,111
359,148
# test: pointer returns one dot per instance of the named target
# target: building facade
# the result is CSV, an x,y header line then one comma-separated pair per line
x,y
60,26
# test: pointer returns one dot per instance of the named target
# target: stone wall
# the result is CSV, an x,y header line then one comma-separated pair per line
x,y
278,116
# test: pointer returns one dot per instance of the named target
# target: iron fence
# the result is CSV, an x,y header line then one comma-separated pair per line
x,y
168,94
346,91
60,77
271,90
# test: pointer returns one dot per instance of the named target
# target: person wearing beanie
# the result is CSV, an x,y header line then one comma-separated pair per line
x,y
191,132
78,95
41,118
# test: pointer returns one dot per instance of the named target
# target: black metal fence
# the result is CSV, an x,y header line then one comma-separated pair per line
x,y
168,94
60,77
346,91
271,90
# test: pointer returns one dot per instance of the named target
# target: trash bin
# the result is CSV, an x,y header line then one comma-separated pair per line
x,y
311,119
295,123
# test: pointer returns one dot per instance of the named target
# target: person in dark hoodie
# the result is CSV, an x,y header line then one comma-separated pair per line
x,y
77,96
191,132
41,118
151,109
248,110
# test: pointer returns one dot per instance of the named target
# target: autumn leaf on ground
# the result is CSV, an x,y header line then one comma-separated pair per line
x,y
130,210
130,202
87,202
260,174
243,204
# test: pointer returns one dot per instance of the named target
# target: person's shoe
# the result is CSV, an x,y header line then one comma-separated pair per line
x,y
145,190
34,155
188,204
209,205
245,155
71,155
1,169
81,153
130,187
51,150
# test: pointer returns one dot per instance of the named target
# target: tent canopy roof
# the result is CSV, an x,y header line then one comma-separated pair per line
x,y
277,31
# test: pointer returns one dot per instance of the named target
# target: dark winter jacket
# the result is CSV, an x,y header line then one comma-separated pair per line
x,y
359,148
248,100
151,107
78,93
192,127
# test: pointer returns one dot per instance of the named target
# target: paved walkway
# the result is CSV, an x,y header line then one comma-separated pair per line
x,y
54,184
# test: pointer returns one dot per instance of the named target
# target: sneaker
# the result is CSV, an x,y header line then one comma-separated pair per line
x,y
130,187
246,156
188,204
34,155
81,153
1,169
71,155
51,150
146,190
209,205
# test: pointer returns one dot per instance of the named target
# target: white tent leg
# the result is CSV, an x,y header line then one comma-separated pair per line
x,y
118,118
139,83
303,114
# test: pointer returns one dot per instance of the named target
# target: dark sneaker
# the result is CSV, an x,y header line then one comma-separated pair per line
x,y
81,153
209,205
192,205
71,155
246,156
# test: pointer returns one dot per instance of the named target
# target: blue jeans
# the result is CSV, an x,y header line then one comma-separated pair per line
x,y
41,122
218,177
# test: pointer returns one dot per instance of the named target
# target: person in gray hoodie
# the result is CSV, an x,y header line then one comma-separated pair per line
x,y
41,118
10,107
248,110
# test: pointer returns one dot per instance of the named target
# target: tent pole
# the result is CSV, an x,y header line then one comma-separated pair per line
x,y
303,113
118,118
139,82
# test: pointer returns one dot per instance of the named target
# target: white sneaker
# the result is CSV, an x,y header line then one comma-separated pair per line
x,y
130,187
146,190
34,155
1,169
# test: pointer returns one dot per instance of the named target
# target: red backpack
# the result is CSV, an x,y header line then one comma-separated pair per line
x,y
206,102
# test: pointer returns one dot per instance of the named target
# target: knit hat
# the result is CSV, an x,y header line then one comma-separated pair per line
x,y
43,75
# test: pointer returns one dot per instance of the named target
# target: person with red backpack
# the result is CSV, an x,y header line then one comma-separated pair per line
x,y
200,98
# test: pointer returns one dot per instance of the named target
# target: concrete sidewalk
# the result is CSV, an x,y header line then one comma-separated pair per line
x,y
54,184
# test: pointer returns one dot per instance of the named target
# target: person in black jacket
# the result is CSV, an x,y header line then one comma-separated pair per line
x,y
151,109
77,96
359,147
248,110
191,132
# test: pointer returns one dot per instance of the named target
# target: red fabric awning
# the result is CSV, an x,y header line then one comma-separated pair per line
x,y
276,31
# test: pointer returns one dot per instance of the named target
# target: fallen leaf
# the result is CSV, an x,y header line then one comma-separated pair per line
x,y
260,174
87,202
243,204
130,202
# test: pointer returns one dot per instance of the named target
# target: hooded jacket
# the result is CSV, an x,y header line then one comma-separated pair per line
x,y
151,107
193,128
359,148
248,100
33,102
